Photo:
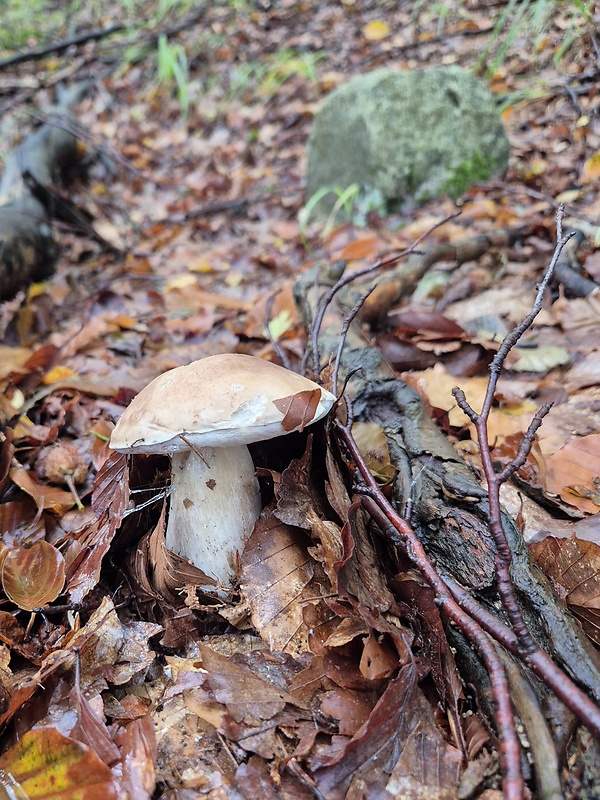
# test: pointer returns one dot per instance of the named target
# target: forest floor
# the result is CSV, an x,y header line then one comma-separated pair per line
x,y
194,152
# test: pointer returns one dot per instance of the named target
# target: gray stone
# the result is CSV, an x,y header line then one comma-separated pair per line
x,y
405,137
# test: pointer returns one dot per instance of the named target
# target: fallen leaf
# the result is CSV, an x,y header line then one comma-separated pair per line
x,y
399,749
538,359
376,30
573,469
45,765
33,576
46,497
277,575
574,565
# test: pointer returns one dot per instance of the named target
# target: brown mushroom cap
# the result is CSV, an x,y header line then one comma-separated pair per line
x,y
219,401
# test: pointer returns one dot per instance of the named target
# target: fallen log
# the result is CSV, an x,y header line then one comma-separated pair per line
x,y
28,250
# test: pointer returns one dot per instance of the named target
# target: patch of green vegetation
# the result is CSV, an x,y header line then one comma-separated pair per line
x,y
265,77
172,69
533,20
24,20
343,206
477,170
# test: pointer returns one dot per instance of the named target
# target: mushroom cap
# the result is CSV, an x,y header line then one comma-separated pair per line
x,y
219,401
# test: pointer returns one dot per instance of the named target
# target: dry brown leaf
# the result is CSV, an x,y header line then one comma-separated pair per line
x,y
137,743
277,580
574,566
372,443
298,409
33,576
572,470
13,359
399,749
46,497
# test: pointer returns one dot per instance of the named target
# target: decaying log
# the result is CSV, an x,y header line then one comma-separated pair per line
x,y
446,505
28,250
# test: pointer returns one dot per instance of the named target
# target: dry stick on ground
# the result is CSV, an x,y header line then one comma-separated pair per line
x,y
400,532
528,647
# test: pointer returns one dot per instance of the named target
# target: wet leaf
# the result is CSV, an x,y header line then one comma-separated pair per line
x,y
46,497
33,576
372,443
45,765
277,580
573,470
298,409
398,749
538,359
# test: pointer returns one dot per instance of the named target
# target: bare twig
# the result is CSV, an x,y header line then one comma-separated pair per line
x,y
59,47
344,332
278,349
528,648
401,534
325,301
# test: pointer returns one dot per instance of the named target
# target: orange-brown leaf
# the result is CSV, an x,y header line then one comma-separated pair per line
x,y
33,576
298,409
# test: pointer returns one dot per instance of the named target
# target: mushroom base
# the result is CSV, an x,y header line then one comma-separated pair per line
x,y
213,506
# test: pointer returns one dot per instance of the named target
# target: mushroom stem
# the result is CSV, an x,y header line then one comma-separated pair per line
x,y
214,503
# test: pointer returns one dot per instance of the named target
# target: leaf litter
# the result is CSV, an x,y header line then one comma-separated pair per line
x,y
339,679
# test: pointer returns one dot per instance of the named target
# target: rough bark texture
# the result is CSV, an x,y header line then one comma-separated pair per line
x,y
27,248
449,508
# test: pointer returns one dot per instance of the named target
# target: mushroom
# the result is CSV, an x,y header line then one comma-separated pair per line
x,y
203,415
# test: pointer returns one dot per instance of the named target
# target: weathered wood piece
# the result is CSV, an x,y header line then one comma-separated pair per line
x,y
28,250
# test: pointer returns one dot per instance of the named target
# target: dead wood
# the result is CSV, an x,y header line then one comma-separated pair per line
x,y
27,247
59,47
567,272
396,283
440,494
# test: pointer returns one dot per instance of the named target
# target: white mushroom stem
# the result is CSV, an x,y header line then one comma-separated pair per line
x,y
213,506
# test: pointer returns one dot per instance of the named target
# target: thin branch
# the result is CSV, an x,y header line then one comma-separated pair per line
x,y
278,349
577,701
528,648
400,531
325,301
59,47
344,333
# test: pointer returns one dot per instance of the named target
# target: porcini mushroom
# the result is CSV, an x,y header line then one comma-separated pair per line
x,y
204,415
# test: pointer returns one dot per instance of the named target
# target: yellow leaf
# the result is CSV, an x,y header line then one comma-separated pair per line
x,y
591,168
44,764
181,282
376,30
57,374
281,323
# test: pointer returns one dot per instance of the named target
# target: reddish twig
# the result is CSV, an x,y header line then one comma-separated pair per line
x,y
403,535
529,650
582,706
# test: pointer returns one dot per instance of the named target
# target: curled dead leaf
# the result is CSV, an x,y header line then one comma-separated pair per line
x,y
33,576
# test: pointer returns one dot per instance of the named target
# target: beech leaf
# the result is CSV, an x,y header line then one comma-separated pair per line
x,y
33,576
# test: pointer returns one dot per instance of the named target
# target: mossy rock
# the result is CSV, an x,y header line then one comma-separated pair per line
x,y
410,135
